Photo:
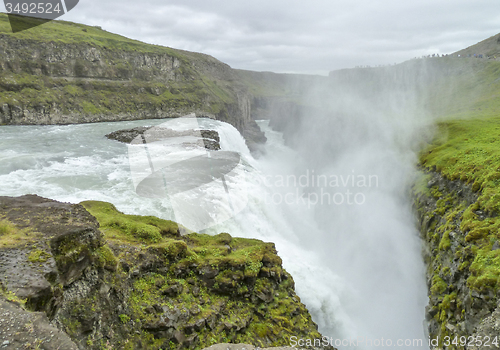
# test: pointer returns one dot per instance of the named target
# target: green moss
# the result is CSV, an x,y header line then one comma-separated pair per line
x,y
438,285
117,226
12,236
69,250
38,256
420,186
243,253
124,318
253,268
173,250
72,327
485,270
11,296
7,228
435,192
447,300
445,243
105,257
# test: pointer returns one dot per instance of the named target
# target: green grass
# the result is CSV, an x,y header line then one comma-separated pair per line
x,y
74,33
163,236
117,226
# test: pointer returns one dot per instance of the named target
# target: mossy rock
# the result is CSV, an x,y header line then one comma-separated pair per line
x,y
166,291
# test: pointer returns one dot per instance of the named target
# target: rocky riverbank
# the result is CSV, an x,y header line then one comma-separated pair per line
x,y
110,280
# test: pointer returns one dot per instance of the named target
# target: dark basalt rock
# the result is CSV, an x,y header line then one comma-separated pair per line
x,y
56,244
21,329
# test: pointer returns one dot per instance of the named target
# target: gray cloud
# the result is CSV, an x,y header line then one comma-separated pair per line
x,y
302,37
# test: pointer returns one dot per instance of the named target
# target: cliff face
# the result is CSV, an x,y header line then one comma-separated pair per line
x,y
132,282
69,73
463,299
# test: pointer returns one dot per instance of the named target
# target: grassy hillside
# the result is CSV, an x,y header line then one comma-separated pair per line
x,y
74,33
467,146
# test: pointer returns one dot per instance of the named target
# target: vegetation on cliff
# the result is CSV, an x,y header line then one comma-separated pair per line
x,y
457,197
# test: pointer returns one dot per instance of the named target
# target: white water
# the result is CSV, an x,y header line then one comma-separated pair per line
x,y
356,267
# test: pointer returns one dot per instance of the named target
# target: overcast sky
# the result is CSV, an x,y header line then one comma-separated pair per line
x,y
313,36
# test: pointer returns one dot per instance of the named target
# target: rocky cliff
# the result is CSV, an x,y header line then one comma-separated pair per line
x,y
110,280
463,297
457,202
62,73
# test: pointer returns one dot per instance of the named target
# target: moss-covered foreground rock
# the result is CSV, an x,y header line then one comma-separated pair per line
x,y
126,282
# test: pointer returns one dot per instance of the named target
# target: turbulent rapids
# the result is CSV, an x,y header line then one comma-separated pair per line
x,y
344,229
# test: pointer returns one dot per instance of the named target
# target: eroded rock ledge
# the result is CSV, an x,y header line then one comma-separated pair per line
x,y
205,138
127,282
462,301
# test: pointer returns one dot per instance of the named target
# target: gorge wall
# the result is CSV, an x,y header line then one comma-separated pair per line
x,y
463,300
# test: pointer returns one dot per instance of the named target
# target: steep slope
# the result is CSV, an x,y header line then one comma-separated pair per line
x,y
488,48
62,72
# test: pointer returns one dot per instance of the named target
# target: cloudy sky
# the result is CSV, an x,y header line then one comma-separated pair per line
x,y
298,36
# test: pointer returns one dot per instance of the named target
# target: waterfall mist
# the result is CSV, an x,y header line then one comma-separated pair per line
x,y
355,152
